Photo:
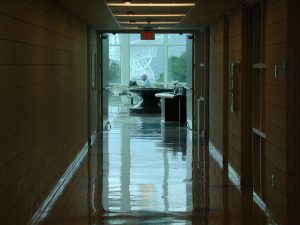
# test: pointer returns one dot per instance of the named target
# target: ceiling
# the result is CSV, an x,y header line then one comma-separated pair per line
x,y
100,14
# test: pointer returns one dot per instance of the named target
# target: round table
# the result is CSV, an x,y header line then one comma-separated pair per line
x,y
149,103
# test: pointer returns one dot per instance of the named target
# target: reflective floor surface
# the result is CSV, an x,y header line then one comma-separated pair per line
x,y
143,171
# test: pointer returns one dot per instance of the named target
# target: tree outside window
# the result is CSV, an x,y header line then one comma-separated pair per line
x,y
162,59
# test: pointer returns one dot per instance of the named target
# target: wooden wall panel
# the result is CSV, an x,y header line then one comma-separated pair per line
x,y
43,81
276,110
216,83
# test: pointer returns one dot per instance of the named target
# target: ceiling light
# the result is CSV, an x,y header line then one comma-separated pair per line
x,y
151,4
131,28
148,15
132,21
147,22
164,28
130,13
127,2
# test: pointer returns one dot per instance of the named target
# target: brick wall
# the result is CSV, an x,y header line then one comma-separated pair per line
x,y
43,82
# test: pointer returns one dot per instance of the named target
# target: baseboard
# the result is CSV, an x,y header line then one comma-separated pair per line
x,y
60,186
235,178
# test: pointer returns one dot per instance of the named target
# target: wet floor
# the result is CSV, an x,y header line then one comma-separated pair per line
x,y
143,171
148,167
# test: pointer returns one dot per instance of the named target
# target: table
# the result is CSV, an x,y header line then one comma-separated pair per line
x,y
149,103
173,107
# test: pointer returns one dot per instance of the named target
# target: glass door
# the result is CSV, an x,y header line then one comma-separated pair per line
x,y
190,80
104,80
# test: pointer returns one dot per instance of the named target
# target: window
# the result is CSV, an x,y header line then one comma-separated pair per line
x,y
146,60
162,59
176,63
114,59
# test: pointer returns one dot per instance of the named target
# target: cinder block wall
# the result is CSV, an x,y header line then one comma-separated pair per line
x,y
43,101
216,83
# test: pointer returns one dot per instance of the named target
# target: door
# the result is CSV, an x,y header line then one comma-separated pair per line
x,y
104,80
202,110
190,81
104,123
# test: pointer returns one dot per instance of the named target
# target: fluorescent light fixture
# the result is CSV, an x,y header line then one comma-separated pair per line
x,y
151,4
132,21
164,28
131,28
149,15
146,22
130,13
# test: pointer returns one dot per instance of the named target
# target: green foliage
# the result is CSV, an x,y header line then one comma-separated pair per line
x,y
114,72
177,68
161,78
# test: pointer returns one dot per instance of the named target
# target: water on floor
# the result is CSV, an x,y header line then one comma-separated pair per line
x,y
143,171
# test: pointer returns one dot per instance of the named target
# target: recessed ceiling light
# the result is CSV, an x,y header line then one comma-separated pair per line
x,y
127,2
164,28
149,15
131,27
132,21
151,4
151,22
130,13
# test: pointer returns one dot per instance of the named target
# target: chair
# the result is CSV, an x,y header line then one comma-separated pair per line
x,y
125,102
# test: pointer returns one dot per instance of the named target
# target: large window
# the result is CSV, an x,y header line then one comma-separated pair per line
x,y
146,60
176,63
114,59
162,59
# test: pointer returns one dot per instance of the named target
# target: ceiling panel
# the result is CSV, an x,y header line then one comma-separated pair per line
x,y
98,14
206,11
155,13
94,12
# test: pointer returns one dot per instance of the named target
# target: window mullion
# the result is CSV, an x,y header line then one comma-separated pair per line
x,y
165,56
125,59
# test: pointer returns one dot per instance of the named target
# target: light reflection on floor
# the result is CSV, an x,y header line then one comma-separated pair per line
x,y
147,167
152,173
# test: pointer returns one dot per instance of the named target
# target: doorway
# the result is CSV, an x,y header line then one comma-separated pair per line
x,y
131,138
166,60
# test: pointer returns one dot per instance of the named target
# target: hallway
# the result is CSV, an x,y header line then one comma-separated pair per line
x,y
154,173
60,163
